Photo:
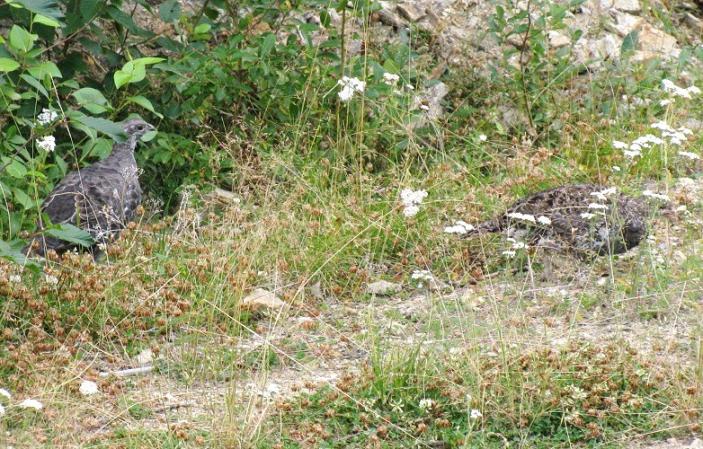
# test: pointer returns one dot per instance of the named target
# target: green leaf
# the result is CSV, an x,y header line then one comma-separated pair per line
x,y
108,127
47,8
21,39
16,256
46,21
91,99
24,199
170,10
45,68
202,28
71,234
629,42
267,44
16,169
35,84
145,103
8,65
129,73
148,60
134,71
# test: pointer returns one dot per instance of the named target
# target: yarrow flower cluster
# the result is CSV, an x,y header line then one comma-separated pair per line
x,y
516,245
422,276
47,143
391,78
350,86
459,227
688,92
657,196
521,216
603,195
676,136
426,404
411,200
46,116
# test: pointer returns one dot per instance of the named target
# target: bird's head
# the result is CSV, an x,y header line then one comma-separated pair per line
x,y
136,128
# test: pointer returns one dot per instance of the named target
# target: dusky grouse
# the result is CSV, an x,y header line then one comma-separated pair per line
x,y
100,199
584,218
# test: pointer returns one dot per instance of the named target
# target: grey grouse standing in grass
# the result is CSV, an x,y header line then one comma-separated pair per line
x,y
100,199
585,218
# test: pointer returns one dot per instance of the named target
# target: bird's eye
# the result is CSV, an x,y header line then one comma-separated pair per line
x,y
140,127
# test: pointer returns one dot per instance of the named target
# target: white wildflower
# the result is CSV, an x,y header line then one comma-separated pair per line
x,y
52,280
598,206
350,86
631,154
655,195
5,393
519,245
509,253
616,169
47,143
475,414
426,404
482,137
587,215
665,102
689,155
459,227
2,410
46,116
602,195
520,216
646,141
662,125
411,200
390,78
88,387
409,87
16,278
544,220
424,107
410,211
619,145
422,276
31,403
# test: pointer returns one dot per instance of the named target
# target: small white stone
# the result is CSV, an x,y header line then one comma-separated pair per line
x,y
88,387
31,403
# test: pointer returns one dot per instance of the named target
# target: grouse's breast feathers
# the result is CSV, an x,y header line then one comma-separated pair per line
x,y
584,217
100,199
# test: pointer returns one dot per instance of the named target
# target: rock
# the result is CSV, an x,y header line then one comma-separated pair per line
x,y
632,6
654,43
383,288
145,357
387,15
222,196
620,5
411,11
430,100
694,22
625,24
261,300
591,51
557,39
